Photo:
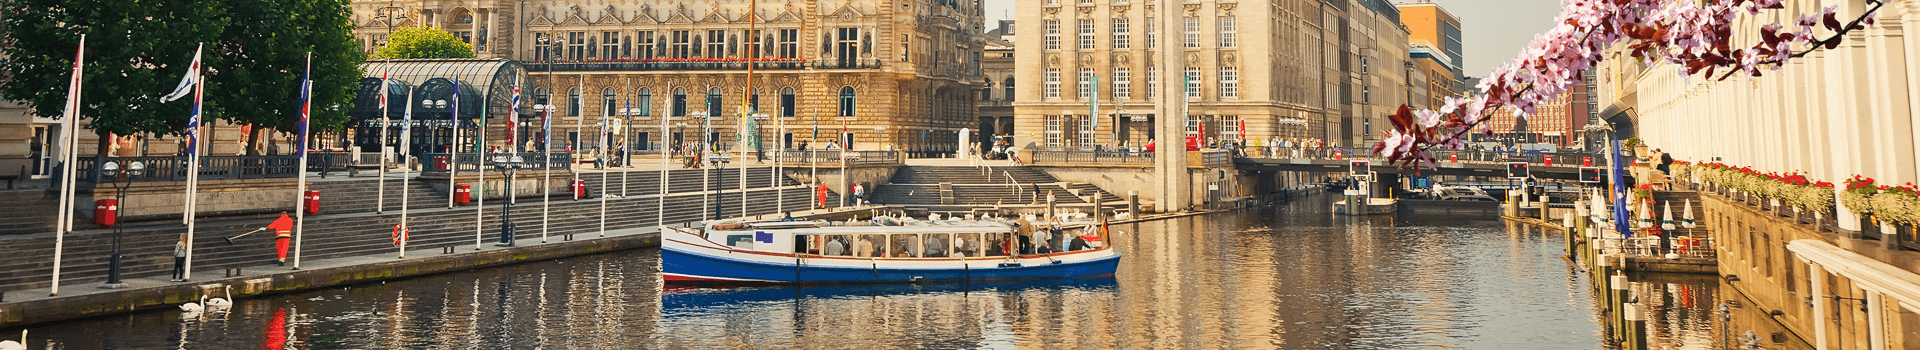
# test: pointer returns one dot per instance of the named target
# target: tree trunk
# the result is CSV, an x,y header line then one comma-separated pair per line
x,y
103,144
253,141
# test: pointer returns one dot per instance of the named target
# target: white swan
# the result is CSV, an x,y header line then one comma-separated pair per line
x,y
222,302
194,307
13,345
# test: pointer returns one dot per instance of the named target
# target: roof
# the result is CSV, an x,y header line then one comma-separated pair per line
x,y
492,79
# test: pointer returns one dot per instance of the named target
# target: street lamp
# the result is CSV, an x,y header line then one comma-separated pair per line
x,y
507,165
719,160
119,181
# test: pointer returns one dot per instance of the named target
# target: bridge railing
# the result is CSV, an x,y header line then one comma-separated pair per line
x,y
1446,156
1109,157
833,157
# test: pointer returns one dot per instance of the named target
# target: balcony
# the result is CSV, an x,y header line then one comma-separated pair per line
x,y
696,64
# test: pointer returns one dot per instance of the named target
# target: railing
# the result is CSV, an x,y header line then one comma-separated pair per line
x,y
1215,158
833,157
470,162
1442,156
661,66
1649,246
211,168
1108,157
832,63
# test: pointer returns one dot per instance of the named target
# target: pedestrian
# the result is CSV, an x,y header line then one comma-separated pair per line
x,y
282,234
859,195
180,259
822,192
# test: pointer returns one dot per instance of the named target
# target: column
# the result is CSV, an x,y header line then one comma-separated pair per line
x,y
1171,157
1843,121
1816,276
1892,122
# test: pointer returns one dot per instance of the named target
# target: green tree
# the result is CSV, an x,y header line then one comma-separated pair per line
x,y
136,52
424,42
274,37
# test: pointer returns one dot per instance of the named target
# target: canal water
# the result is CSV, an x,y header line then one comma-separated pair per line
x,y
1288,276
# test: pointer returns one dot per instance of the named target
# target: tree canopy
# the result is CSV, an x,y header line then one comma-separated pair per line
x,y
424,42
137,50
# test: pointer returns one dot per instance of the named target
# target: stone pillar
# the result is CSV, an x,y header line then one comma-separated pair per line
x,y
1850,146
1891,118
1171,157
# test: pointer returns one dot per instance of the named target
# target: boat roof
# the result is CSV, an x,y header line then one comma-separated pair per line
x,y
823,228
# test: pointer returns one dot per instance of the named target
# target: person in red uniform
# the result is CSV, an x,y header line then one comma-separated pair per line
x,y
282,233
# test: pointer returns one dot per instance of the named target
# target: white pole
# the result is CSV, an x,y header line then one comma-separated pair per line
x,y
741,143
380,200
405,153
193,166
607,163
300,203
660,212
69,157
780,146
453,150
706,173
546,177
813,162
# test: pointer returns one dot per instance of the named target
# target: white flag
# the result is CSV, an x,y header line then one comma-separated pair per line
x,y
186,82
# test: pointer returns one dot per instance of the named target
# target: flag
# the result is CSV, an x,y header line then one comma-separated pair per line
x,y
512,142
1619,193
186,82
546,128
456,105
306,107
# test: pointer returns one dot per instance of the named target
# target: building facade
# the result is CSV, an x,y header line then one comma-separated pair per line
x,y
895,74
995,105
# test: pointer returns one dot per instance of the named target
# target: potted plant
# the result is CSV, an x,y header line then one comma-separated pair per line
x,y
1858,198
1896,205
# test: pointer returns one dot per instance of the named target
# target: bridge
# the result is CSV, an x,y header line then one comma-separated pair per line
x,y
1479,164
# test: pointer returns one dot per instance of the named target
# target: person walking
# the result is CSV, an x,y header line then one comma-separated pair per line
x,y
282,234
180,259
859,195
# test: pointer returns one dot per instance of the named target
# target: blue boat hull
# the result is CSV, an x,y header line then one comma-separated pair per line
x,y
683,267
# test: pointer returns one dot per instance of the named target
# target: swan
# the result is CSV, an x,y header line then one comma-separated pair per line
x,y
13,345
194,307
222,302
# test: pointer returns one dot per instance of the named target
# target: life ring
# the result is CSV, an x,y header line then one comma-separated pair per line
x,y
400,233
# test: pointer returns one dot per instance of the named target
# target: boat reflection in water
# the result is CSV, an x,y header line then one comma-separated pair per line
x,y
884,316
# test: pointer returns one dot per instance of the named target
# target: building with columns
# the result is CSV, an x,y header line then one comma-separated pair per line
x,y
896,74
1832,114
1295,70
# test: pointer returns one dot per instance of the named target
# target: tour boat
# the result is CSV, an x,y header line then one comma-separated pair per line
x,y
895,250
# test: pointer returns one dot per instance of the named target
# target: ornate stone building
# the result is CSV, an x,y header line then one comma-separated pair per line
x,y
897,74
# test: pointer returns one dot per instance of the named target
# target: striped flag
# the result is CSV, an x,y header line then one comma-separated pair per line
x,y
306,107
456,105
187,85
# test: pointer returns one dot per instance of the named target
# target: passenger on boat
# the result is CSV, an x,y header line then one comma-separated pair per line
x,y
863,248
1078,244
935,248
1058,235
834,248
905,247
1041,241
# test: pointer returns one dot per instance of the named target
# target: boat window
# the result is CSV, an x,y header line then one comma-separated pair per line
x,y
804,244
966,245
906,245
998,244
836,245
740,241
870,246
936,244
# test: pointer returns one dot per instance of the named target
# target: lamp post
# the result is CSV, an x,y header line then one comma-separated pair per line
x,y
507,165
120,182
719,160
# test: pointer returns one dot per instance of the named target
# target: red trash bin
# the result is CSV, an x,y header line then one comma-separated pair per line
x,y
104,211
1586,161
579,189
440,162
462,193
1549,160
313,202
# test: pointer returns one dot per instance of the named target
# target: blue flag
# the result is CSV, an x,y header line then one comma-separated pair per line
x,y
306,107
1619,193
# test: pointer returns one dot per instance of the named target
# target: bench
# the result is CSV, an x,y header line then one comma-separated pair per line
x,y
354,170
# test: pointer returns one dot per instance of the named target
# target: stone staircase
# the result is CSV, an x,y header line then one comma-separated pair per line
x,y
148,250
31,211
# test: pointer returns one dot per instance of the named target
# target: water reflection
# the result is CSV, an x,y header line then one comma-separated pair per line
x,y
1283,277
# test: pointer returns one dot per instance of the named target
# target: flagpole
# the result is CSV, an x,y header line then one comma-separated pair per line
x,y
605,163
626,128
405,152
546,147
70,156
666,155
453,150
706,173
813,160
193,160
380,200
780,142
300,203
746,121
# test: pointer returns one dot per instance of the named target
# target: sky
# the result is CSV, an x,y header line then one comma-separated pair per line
x,y
1494,30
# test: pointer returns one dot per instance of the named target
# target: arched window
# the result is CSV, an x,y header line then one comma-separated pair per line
x,y
573,102
753,101
609,101
986,92
786,102
645,102
679,102
846,101
713,102
1009,87
541,97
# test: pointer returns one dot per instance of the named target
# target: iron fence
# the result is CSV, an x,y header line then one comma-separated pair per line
x,y
833,157
439,163
1108,157
176,168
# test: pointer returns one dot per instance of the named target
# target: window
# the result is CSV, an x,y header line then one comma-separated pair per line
x,y
713,102
1008,85
716,43
1086,83
576,45
1153,83
752,48
1122,83
610,102
1193,127
846,101
646,100
1084,125
906,48
609,45
680,46
1153,35
1053,83
1228,29
1364,67
1366,94
789,43
643,48
679,102
1053,132
542,51
1193,32
1193,82
1086,34
1229,128
786,102
1229,82
753,102
1122,37
573,103
986,91
1053,34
